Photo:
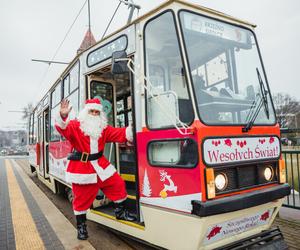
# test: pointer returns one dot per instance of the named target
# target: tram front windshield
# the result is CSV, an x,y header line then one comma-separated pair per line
x,y
227,73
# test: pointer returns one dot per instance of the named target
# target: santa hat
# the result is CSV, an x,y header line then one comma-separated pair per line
x,y
93,104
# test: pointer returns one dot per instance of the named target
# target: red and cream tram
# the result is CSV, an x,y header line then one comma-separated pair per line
x,y
205,170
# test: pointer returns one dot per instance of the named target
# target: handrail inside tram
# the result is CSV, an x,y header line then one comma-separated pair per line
x,y
183,128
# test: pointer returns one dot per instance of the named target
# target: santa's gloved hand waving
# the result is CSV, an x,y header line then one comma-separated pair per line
x,y
65,109
88,135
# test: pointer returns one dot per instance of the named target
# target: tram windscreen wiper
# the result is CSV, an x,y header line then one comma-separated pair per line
x,y
262,100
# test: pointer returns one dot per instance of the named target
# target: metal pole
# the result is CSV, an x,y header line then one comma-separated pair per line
x,y
49,62
132,7
130,14
89,16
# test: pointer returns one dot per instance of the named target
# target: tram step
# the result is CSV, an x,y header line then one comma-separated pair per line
x,y
109,209
128,177
131,193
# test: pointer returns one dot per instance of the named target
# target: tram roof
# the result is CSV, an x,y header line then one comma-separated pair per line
x,y
169,2
151,12
164,4
183,2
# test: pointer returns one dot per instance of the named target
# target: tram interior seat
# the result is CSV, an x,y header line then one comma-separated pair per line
x,y
212,91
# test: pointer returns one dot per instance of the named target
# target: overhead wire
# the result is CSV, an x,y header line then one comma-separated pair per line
x,y
60,45
69,29
111,20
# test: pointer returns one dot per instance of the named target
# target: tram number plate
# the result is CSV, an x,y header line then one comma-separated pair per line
x,y
237,226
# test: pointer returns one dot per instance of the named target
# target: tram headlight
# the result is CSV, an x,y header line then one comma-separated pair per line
x,y
221,181
268,173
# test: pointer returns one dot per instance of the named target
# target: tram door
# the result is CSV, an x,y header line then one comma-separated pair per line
x,y
43,127
115,95
103,90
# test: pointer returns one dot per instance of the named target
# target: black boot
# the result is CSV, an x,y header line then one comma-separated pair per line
x,y
82,233
122,213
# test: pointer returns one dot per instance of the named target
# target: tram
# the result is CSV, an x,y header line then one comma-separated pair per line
x,y
205,170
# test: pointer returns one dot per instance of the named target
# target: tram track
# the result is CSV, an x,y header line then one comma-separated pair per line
x,y
100,236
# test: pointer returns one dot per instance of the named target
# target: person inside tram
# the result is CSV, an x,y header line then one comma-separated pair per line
x,y
88,170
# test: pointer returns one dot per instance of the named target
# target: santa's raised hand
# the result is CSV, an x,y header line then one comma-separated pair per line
x,y
65,108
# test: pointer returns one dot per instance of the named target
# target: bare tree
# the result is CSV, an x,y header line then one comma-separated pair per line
x,y
26,111
286,108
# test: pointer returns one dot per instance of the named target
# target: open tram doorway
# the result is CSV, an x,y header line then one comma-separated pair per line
x,y
115,93
43,140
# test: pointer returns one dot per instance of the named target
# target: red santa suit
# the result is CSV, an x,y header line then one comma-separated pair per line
x,y
88,177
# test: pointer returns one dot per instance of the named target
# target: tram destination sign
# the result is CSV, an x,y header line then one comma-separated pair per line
x,y
240,149
208,26
104,52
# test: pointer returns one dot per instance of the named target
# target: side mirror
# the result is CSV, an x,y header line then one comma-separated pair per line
x,y
119,62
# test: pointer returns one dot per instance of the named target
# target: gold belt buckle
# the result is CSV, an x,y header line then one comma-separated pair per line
x,y
84,157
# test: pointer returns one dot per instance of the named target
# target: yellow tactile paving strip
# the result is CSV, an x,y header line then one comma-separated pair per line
x,y
26,234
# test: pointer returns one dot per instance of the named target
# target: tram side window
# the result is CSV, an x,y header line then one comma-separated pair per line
x,y
69,90
66,86
46,101
30,135
74,101
173,153
35,129
74,77
54,135
168,97
56,97
71,81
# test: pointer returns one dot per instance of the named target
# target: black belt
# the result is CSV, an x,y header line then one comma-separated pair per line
x,y
84,157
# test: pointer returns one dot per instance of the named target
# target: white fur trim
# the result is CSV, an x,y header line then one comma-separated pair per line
x,y
80,212
89,130
93,106
103,174
129,134
60,122
93,145
81,178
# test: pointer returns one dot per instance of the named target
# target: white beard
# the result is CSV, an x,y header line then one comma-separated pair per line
x,y
92,125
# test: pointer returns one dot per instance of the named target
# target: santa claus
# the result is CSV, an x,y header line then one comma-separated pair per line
x,y
88,169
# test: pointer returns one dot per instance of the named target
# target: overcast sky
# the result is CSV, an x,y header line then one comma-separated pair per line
x,y
34,29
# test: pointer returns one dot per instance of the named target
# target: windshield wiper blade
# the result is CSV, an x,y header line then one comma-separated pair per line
x,y
263,101
253,115
264,93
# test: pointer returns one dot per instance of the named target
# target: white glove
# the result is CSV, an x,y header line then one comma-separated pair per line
x,y
129,133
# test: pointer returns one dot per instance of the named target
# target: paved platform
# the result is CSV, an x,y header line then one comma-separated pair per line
x,y
288,221
31,221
